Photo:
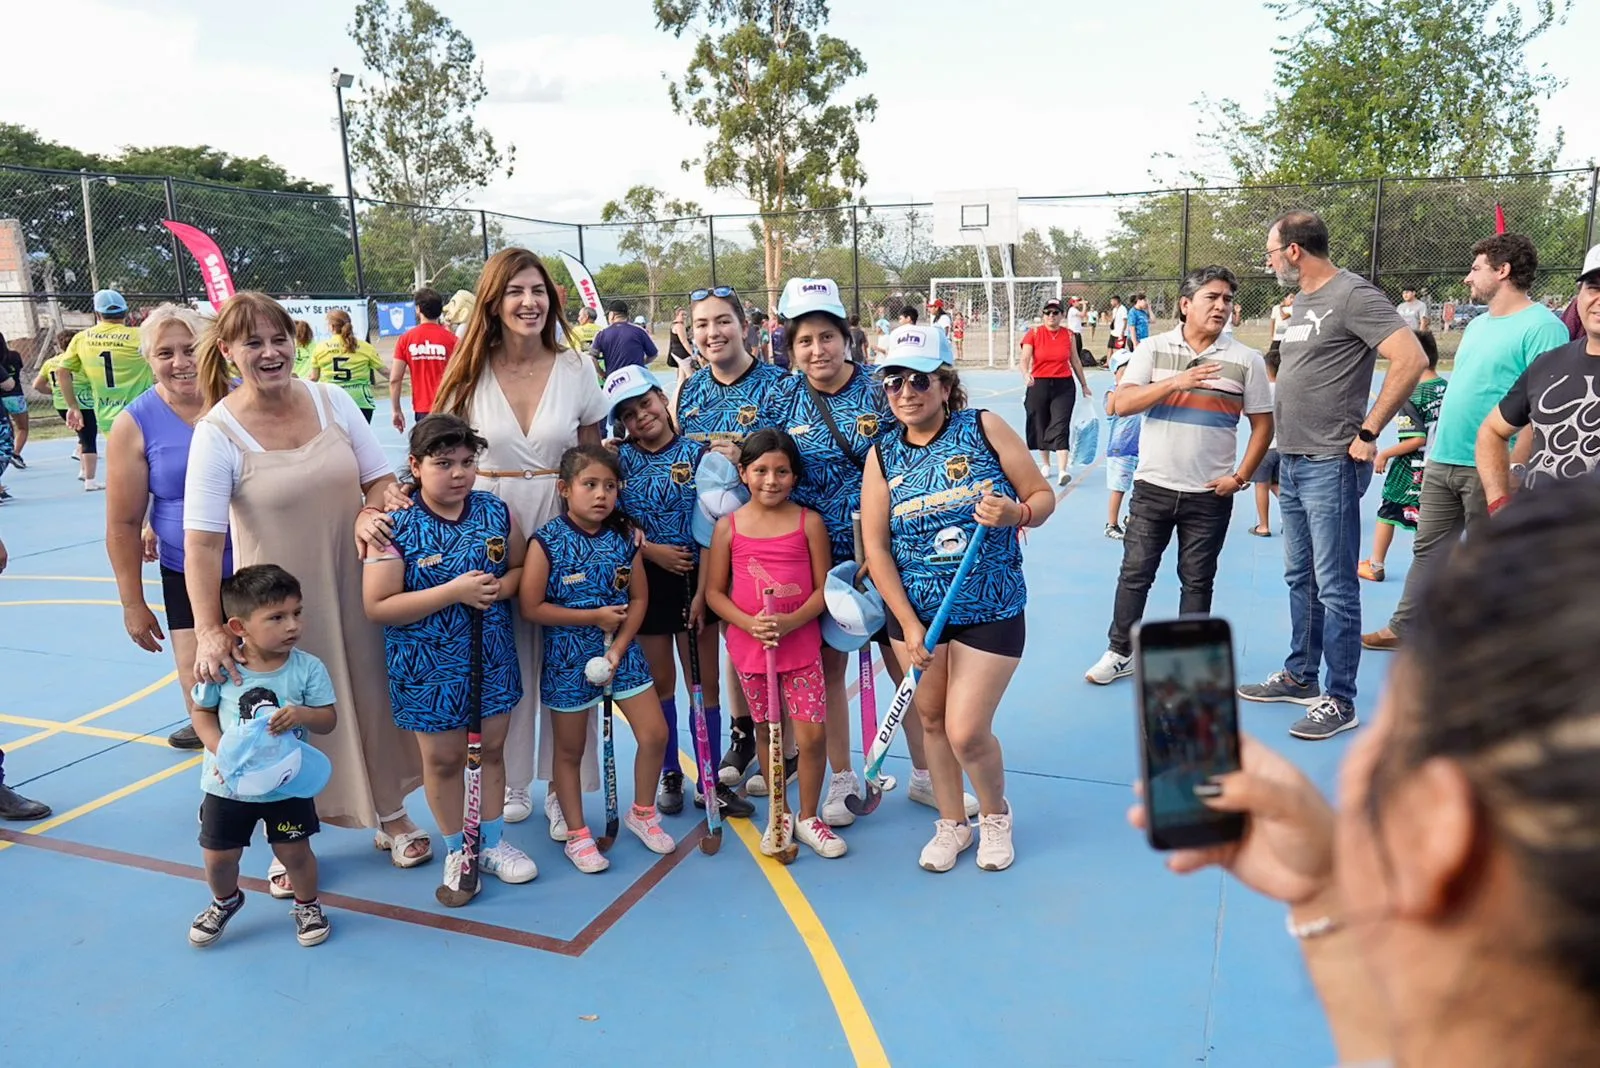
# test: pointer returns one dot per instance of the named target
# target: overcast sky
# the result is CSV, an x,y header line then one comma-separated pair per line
x,y
1010,93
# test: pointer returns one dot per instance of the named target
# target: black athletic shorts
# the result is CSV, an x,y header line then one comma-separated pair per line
x,y
90,432
1002,637
180,613
229,824
670,595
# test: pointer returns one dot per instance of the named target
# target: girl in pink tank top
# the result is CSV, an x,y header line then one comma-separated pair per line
x,y
771,543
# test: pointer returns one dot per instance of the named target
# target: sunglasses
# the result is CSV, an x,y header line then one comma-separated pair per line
x,y
715,291
919,381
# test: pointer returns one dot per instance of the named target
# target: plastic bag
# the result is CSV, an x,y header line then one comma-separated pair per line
x,y
1084,440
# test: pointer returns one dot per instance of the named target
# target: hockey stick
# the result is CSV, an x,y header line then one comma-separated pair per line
x,y
472,818
777,780
908,687
868,685
702,741
605,841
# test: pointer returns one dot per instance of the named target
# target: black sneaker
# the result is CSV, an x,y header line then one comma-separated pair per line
x,y
740,760
185,738
731,804
209,925
1281,687
669,799
13,806
310,925
1329,716
16,461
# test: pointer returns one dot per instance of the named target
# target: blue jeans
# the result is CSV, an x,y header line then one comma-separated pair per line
x,y
1321,504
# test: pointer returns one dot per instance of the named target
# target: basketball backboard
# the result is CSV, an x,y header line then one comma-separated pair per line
x,y
975,217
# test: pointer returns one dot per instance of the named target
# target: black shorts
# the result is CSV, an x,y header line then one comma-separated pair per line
x,y
366,413
229,824
90,431
1048,406
1399,515
1002,637
670,595
180,613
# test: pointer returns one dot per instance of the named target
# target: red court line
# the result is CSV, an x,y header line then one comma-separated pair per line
x,y
575,947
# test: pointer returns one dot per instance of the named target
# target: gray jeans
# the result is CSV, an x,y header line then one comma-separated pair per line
x,y
1452,500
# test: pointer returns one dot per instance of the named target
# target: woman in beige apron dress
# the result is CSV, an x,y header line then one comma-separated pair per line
x,y
294,469
522,386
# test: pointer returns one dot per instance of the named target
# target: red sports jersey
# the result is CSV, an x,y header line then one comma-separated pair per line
x,y
425,350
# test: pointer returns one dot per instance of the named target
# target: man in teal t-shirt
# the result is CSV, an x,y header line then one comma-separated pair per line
x,y
1496,348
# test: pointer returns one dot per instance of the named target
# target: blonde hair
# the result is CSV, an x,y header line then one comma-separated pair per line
x,y
236,321
484,333
166,315
339,322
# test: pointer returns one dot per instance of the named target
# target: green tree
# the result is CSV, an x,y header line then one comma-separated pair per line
x,y
764,80
1419,87
412,132
658,232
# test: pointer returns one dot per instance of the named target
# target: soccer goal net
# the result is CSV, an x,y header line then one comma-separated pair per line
x,y
989,315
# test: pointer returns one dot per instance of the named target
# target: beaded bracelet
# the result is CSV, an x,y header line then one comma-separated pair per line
x,y
1317,928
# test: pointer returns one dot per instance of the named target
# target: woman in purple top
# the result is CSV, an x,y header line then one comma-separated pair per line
x,y
147,454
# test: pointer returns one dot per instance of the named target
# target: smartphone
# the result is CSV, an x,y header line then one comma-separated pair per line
x,y
1188,727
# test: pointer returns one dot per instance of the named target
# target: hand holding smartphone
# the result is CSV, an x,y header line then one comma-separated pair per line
x,y
1188,727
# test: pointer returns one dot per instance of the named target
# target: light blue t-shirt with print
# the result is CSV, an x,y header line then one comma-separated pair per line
x,y
302,680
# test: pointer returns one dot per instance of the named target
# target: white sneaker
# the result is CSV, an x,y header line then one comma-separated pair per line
x,y
921,791
950,840
768,846
519,804
509,863
756,785
649,832
1109,668
1044,469
820,837
558,822
834,813
452,872
586,856
91,486
994,841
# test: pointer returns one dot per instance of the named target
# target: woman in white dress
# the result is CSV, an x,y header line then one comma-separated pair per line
x,y
518,381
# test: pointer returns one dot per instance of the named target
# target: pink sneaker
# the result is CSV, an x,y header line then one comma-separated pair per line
x,y
647,828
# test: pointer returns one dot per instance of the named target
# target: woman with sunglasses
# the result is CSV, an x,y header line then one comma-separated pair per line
x,y
927,487
834,411
720,405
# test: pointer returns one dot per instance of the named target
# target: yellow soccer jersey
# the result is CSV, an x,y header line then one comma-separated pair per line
x,y
350,371
107,354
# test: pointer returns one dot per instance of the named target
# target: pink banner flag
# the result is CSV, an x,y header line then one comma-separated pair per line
x,y
1499,219
213,268
586,287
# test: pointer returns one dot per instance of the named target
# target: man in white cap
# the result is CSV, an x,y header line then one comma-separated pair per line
x,y
108,355
1557,397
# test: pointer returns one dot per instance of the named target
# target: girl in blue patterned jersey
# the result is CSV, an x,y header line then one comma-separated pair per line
x,y
835,412
458,551
580,588
927,486
658,492
720,405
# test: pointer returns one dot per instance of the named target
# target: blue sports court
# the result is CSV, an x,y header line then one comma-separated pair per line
x,y
1085,952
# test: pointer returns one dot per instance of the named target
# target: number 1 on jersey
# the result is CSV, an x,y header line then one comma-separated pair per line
x,y
111,371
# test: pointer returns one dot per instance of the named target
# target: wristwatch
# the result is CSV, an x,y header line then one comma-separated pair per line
x,y
1366,435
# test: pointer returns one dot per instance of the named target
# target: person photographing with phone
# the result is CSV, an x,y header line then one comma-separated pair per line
x,y
1445,906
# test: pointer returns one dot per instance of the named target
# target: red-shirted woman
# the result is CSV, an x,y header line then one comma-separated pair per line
x,y
1049,364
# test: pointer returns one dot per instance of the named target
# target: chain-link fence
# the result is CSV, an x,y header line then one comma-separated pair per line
x,y
65,234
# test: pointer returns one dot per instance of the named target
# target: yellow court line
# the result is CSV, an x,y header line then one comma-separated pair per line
x,y
89,732
69,578
111,798
137,695
847,1004
69,600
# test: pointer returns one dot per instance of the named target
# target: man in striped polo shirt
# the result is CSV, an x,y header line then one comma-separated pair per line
x,y
1192,384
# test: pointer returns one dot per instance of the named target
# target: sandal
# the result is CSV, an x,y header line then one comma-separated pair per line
x,y
398,845
1261,532
278,884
